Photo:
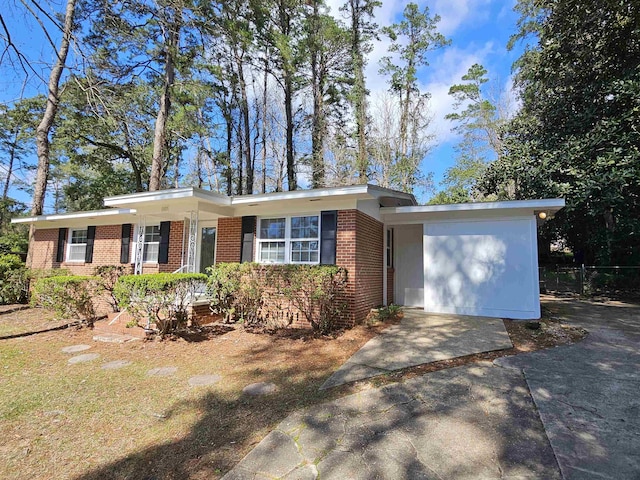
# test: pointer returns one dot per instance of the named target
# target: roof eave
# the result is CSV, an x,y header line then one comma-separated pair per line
x,y
550,204
75,215
163,195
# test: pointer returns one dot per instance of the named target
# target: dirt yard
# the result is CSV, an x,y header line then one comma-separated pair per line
x,y
81,421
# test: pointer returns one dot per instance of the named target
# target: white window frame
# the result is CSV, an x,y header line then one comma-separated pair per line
x,y
144,247
288,241
134,245
69,245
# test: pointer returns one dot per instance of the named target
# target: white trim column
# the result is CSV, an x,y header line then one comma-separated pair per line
x,y
192,242
385,272
139,251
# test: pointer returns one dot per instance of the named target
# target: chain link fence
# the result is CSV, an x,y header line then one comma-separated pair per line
x,y
590,280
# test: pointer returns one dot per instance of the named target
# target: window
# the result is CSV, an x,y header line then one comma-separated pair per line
x,y
151,244
272,240
77,245
304,239
289,239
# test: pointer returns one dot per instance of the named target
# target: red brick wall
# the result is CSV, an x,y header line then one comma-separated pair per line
x,y
106,250
229,233
42,250
369,256
359,249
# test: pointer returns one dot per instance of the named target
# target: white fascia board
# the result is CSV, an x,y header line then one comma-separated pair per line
x,y
163,195
75,215
301,194
553,204
377,192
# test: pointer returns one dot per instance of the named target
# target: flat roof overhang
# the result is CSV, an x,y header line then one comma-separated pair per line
x,y
419,214
92,217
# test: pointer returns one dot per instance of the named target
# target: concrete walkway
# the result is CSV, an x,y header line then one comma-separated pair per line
x,y
472,422
588,394
480,421
422,338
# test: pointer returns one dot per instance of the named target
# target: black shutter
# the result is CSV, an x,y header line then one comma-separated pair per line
x,y
328,234
163,254
91,236
62,241
125,243
248,233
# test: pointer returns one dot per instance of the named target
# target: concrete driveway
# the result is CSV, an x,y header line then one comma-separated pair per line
x,y
473,422
569,412
422,338
588,394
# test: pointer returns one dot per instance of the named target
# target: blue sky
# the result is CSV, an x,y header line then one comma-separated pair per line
x,y
478,30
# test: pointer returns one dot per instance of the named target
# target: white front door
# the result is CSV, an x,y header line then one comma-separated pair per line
x,y
409,273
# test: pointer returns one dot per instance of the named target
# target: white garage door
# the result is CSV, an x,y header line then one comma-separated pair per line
x,y
482,267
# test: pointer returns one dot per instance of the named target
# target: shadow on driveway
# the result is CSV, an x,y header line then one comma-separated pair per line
x,y
588,394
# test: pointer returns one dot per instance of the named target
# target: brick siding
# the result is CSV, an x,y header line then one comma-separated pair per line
x,y
42,250
359,249
106,251
229,236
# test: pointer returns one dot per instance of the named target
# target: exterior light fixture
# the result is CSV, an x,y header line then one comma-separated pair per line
x,y
542,215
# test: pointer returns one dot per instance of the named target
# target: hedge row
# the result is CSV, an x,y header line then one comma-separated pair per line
x,y
247,292
251,292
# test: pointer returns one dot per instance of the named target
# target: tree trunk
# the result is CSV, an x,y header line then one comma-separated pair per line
x,y
12,158
265,82
404,120
42,132
359,91
229,170
288,107
244,109
160,131
317,122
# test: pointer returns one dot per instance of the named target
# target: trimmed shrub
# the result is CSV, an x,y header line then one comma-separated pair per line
x,y
240,292
160,298
109,275
222,287
70,297
14,279
236,291
317,291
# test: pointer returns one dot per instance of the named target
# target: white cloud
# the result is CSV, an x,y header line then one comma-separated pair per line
x,y
454,13
447,70
446,65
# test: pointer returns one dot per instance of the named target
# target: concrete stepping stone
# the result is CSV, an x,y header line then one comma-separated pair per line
x,y
113,338
204,380
162,371
260,388
76,348
87,357
116,364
